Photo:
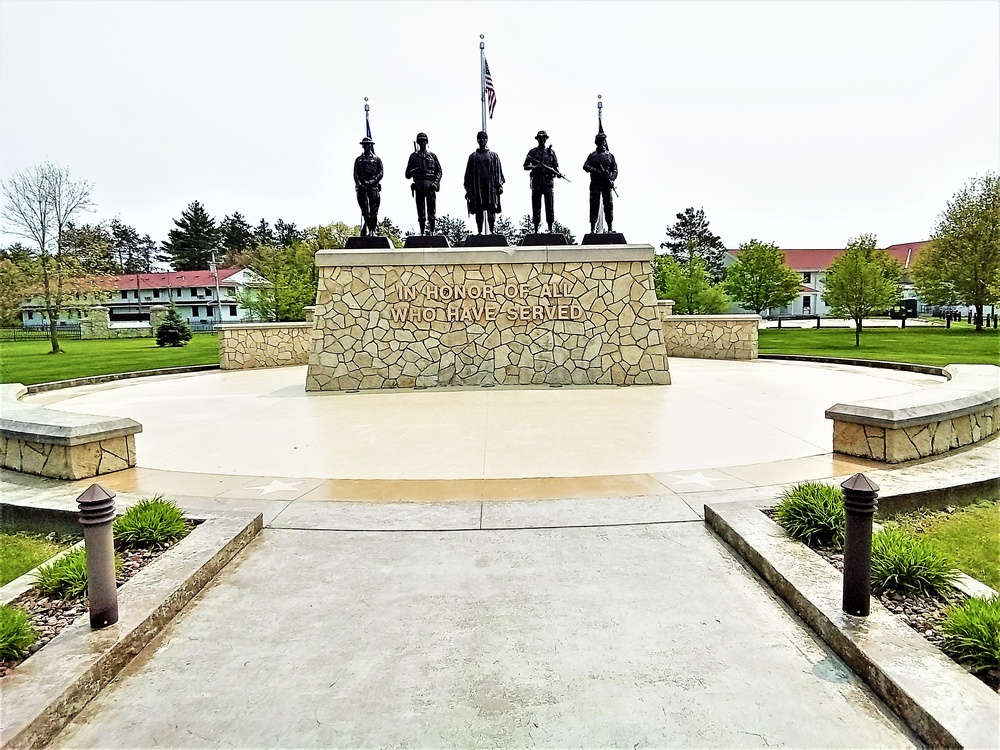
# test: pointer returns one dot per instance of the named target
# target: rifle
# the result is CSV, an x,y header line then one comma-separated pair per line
x,y
605,172
556,172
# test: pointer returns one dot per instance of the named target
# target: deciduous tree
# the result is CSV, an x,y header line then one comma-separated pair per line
x,y
454,229
688,285
759,279
41,203
962,261
861,282
690,236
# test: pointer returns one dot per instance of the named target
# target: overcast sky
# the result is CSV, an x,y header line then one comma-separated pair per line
x,y
803,123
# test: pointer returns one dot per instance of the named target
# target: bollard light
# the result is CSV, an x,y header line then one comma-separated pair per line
x,y
860,502
97,512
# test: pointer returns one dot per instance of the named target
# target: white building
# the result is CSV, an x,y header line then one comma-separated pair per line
x,y
129,297
812,265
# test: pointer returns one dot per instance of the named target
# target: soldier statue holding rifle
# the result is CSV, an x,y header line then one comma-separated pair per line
x,y
544,167
603,172
424,169
367,178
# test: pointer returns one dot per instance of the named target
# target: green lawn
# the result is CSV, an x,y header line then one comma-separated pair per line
x,y
937,345
19,553
970,537
31,361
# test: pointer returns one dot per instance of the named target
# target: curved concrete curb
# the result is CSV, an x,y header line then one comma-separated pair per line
x,y
56,385
940,701
876,363
42,695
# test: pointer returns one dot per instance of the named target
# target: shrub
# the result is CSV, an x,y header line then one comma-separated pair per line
x,y
16,633
173,330
151,522
972,633
903,563
813,513
66,577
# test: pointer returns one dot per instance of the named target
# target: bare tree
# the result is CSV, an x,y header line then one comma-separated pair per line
x,y
41,203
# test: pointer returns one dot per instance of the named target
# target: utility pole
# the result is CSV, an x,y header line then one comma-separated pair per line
x,y
218,292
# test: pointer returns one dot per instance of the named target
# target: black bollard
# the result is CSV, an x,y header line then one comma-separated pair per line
x,y
860,501
97,512
947,320
902,321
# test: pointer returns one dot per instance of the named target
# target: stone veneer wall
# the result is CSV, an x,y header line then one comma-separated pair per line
x,y
68,461
921,423
919,441
246,345
711,336
383,321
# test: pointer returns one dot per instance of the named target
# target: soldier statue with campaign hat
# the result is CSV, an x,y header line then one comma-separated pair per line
x,y
424,169
543,165
367,178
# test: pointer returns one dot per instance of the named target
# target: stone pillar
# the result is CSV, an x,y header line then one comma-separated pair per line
x,y
310,313
664,308
156,314
97,324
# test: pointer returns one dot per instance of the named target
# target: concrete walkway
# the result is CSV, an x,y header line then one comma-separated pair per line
x,y
637,636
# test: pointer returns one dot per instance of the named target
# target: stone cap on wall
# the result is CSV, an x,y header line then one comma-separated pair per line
x,y
971,389
43,425
470,256
260,326
712,317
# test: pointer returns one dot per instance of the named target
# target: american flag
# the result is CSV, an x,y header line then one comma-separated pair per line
x,y
491,93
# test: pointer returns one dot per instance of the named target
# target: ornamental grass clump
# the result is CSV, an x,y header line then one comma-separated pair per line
x,y
972,633
16,633
813,513
66,578
908,565
150,524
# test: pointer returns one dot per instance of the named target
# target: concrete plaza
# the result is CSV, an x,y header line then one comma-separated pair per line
x,y
486,567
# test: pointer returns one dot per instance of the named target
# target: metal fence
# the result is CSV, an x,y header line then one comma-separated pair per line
x,y
38,333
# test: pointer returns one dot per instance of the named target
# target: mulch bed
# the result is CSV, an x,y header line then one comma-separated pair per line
x,y
50,616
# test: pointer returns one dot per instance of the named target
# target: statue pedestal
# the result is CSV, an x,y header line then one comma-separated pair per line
x,y
608,238
486,240
368,243
424,241
530,317
544,240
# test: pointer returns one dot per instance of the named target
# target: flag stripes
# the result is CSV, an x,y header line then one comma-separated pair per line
x,y
491,94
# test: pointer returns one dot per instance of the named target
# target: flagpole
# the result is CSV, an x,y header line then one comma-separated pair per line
x,y
482,77
368,127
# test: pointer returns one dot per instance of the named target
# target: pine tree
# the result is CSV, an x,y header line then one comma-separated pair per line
x,y
263,235
237,236
286,235
173,330
691,236
190,245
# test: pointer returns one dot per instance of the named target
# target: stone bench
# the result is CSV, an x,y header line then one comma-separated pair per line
x,y
927,422
64,445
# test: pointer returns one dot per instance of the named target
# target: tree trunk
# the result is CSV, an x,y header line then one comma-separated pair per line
x,y
857,331
979,316
54,332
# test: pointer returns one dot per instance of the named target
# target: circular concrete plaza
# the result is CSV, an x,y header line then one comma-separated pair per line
x,y
720,425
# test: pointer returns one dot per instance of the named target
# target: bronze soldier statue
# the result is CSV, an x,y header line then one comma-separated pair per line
x,y
603,172
425,170
483,183
544,168
367,176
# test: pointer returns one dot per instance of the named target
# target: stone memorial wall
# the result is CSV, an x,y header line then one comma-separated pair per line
x,y
538,316
711,336
243,346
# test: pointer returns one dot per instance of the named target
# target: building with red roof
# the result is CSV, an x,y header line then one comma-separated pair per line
x,y
813,265
195,294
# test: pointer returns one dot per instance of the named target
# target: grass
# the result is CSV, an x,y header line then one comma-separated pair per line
x,y
972,633
16,633
149,524
903,563
969,536
19,553
924,345
813,513
31,362
66,578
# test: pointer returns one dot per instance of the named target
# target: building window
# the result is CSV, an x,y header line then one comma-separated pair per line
x,y
232,311
156,294
31,315
807,277
124,295
194,311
